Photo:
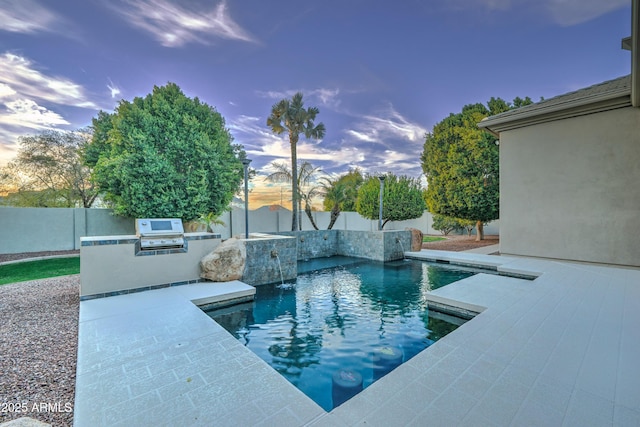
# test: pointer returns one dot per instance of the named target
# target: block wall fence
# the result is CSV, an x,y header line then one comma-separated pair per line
x,y
59,229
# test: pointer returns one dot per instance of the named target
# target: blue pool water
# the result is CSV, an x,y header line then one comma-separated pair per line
x,y
342,319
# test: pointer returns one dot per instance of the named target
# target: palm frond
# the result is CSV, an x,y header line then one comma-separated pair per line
x,y
282,173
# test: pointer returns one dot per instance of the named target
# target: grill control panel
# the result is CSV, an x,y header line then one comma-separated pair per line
x,y
159,226
160,233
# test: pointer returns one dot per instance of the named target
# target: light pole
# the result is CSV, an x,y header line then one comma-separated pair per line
x,y
381,177
245,163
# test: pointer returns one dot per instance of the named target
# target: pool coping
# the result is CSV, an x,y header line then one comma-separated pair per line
x,y
493,370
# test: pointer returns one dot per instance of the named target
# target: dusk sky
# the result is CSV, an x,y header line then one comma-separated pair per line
x,y
382,73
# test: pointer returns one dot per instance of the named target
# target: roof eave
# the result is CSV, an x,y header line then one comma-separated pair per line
x,y
574,108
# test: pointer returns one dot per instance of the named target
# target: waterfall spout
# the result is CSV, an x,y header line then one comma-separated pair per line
x,y
274,254
399,241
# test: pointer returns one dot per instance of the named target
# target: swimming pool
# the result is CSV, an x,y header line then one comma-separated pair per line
x,y
343,323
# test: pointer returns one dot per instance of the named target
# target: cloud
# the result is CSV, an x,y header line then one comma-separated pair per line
x,y
253,131
25,16
21,76
327,97
572,12
562,12
473,5
371,136
173,25
30,98
115,91
397,153
281,150
8,145
21,116
26,113
6,91
259,141
387,125
375,143
487,4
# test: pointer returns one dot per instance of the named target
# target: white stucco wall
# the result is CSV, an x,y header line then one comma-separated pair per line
x,y
114,267
570,189
58,229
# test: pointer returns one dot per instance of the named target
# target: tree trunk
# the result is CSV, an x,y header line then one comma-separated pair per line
x,y
294,183
479,231
300,214
335,213
307,209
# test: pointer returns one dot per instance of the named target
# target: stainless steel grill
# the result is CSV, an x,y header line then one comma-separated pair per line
x,y
160,233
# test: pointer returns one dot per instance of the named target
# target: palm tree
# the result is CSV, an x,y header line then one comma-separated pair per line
x,y
310,194
306,178
290,115
334,194
340,194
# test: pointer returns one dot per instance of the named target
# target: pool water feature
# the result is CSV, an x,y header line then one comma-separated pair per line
x,y
344,323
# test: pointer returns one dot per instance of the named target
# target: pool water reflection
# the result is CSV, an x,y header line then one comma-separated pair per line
x,y
342,318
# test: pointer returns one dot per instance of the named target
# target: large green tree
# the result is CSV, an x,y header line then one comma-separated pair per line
x,y
461,163
401,198
49,171
289,115
165,155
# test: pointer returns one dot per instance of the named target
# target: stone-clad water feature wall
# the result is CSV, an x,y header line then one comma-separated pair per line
x,y
267,256
375,245
264,251
314,244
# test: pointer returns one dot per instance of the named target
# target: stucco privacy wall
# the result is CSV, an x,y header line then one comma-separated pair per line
x,y
55,229
48,229
569,188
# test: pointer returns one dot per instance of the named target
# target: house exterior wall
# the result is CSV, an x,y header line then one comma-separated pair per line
x,y
569,189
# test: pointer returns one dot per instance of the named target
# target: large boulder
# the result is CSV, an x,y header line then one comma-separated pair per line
x,y
416,239
225,263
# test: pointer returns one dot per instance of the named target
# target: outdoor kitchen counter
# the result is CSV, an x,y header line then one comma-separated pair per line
x,y
115,265
132,238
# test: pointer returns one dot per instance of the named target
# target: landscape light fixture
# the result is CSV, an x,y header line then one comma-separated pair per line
x,y
245,163
381,178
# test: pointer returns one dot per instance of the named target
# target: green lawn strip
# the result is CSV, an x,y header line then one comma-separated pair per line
x,y
41,269
427,239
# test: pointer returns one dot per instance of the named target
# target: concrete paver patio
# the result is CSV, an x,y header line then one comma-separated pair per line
x,y
560,350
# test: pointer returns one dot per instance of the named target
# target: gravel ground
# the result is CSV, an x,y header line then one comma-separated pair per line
x,y
38,349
